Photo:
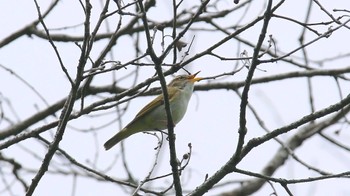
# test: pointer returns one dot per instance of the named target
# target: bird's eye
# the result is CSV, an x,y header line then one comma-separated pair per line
x,y
181,77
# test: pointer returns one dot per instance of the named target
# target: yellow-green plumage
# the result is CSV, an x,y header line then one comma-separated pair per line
x,y
153,116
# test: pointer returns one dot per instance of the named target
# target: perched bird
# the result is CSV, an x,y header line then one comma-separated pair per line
x,y
153,116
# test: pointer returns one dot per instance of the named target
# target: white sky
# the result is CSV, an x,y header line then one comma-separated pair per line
x,y
211,121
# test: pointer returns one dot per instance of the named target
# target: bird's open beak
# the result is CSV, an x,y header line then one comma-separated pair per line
x,y
193,77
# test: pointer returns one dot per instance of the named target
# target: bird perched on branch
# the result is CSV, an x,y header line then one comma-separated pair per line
x,y
153,116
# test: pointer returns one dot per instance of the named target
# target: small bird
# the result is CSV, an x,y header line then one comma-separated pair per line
x,y
153,116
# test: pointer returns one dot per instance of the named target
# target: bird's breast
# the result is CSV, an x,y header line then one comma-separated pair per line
x,y
178,105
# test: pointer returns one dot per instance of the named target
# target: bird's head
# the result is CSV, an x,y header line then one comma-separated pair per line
x,y
182,80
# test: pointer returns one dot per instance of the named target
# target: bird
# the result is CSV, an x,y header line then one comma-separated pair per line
x,y
153,116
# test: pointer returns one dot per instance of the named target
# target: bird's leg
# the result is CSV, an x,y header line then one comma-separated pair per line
x,y
167,138
163,132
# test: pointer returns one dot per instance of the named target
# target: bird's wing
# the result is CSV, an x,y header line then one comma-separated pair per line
x,y
158,101
150,106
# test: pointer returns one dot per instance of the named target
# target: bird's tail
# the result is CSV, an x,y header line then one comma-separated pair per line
x,y
124,133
